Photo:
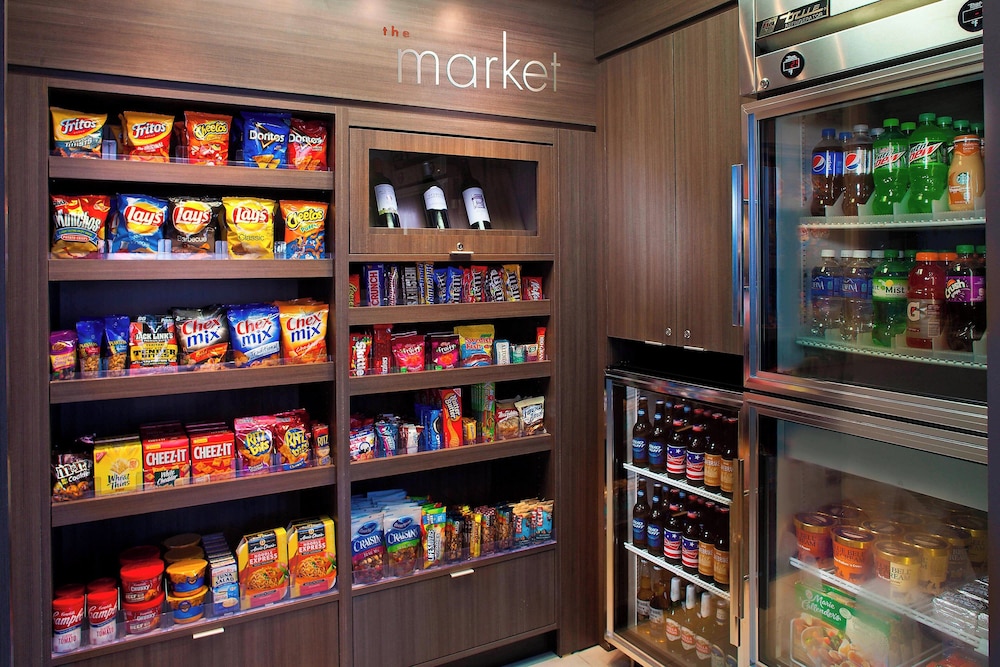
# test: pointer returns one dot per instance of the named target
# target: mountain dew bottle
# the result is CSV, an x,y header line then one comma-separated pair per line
x,y
891,168
889,287
928,163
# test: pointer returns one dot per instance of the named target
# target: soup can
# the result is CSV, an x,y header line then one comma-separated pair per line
x,y
67,623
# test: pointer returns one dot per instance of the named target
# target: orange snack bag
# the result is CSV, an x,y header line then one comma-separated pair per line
x,y
207,137
305,229
303,330
146,136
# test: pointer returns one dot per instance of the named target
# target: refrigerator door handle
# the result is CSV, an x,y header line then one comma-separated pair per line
x,y
740,582
737,202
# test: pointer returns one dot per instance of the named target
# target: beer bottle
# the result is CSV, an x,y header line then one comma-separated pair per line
x,y
727,464
658,607
706,545
642,597
689,544
706,625
672,531
713,454
640,514
694,469
654,524
657,446
672,622
640,433
689,620
677,450
720,557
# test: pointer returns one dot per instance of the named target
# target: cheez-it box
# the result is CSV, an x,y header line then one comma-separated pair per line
x,y
212,454
165,457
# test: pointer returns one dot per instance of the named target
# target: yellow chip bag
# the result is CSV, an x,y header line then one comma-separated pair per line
x,y
250,227
146,136
303,330
77,134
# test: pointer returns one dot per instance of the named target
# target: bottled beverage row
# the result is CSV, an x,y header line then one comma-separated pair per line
x,y
933,300
433,198
932,165
687,442
685,529
675,616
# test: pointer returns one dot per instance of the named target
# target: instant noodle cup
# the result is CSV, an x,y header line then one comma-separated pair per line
x,y
812,532
934,553
142,581
182,553
142,617
898,564
67,623
138,554
189,608
852,553
186,577
181,541
102,616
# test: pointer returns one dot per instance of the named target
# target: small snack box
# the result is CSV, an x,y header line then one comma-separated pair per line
x,y
262,563
312,556
223,581
117,465
166,456
212,452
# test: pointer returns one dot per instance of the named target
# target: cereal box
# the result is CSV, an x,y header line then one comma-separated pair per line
x,y
117,465
166,458
212,454
312,556
262,565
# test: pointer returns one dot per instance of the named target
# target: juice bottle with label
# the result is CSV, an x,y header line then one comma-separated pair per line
x,y
925,301
966,179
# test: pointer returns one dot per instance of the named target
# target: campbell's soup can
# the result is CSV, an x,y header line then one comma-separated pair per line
x,y
102,616
67,623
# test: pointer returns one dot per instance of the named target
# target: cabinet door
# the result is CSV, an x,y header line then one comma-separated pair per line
x,y
449,614
708,142
301,637
640,176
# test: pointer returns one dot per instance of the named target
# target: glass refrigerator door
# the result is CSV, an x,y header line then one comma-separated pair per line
x,y
873,540
675,571
844,308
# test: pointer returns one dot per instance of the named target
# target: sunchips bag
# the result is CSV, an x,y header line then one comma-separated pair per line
x,y
305,229
77,134
250,227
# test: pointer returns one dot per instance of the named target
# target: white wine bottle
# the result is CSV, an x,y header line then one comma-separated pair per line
x,y
386,208
475,200
435,203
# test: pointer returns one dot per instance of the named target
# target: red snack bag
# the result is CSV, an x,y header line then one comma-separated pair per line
x,y
531,288
254,444
444,351
146,136
451,417
354,291
383,349
408,351
361,353
79,225
206,137
307,145
291,440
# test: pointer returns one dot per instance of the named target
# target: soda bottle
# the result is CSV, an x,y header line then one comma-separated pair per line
x,y
961,127
910,259
857,290
928,164
924,301
944,122
858,182
889,288
824,293
890,169
827,172
966,179
907,128
965,300
876,133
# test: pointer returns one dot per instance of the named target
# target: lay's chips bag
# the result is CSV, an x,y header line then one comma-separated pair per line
x,y
139,224
250,227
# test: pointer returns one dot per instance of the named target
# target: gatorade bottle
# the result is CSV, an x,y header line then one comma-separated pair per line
x,y
858,182
827,172
857,295
924,301
889,287
907,128
825,294
965,300
944,122
890,169
928,164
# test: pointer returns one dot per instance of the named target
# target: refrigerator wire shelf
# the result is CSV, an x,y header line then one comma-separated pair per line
x,y
921,611
937,357
901,221
680,484
675,569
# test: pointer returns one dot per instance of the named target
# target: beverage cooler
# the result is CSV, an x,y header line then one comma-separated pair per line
x,y
872,539
676,521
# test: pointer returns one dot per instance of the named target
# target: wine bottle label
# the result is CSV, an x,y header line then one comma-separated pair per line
x,y
475,206
385,199
434,199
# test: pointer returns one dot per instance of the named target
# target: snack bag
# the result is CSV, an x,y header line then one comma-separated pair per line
x,y
146,136
401,526
264,138
206,136
195,224
73,472
291,440
77,134
254,444
305,229
256,334
250,227
476,344
303,331
78,225
138,224
202,335
152,341
307,145
361,353
116,339
367,546
88,346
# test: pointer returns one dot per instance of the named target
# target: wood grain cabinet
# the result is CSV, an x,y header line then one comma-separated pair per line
x,y
670,120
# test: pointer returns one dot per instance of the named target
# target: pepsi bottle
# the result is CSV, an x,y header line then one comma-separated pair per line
x,y
827,172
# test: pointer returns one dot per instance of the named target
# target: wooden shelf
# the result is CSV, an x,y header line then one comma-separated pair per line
x,y
380,384
197,627
445,458
189,495
186,382
447,312
187,174
456,257
186,269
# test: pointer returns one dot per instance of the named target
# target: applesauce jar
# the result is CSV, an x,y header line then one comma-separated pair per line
x,y
812,532
852,553
897,564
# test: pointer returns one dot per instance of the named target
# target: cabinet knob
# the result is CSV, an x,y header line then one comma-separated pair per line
x,y
687,334
460,246
668,332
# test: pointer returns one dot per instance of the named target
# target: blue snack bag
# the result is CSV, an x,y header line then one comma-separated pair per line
x,y
264,138
139,222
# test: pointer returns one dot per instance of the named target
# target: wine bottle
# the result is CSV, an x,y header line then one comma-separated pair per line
x,y
386,208
435,203
475,200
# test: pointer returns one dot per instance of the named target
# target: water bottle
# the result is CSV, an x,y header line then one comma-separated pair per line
x,y
856,288
824,294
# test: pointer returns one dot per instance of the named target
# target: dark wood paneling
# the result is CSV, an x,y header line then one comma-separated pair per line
x,y
449,614
619,23
332,49
579,461
705,69
5,655
291,637
638,144
27,340
180,269
448,312
378,384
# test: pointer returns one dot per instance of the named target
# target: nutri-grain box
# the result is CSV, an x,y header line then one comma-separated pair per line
x,y
212,452
117,465
166,459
